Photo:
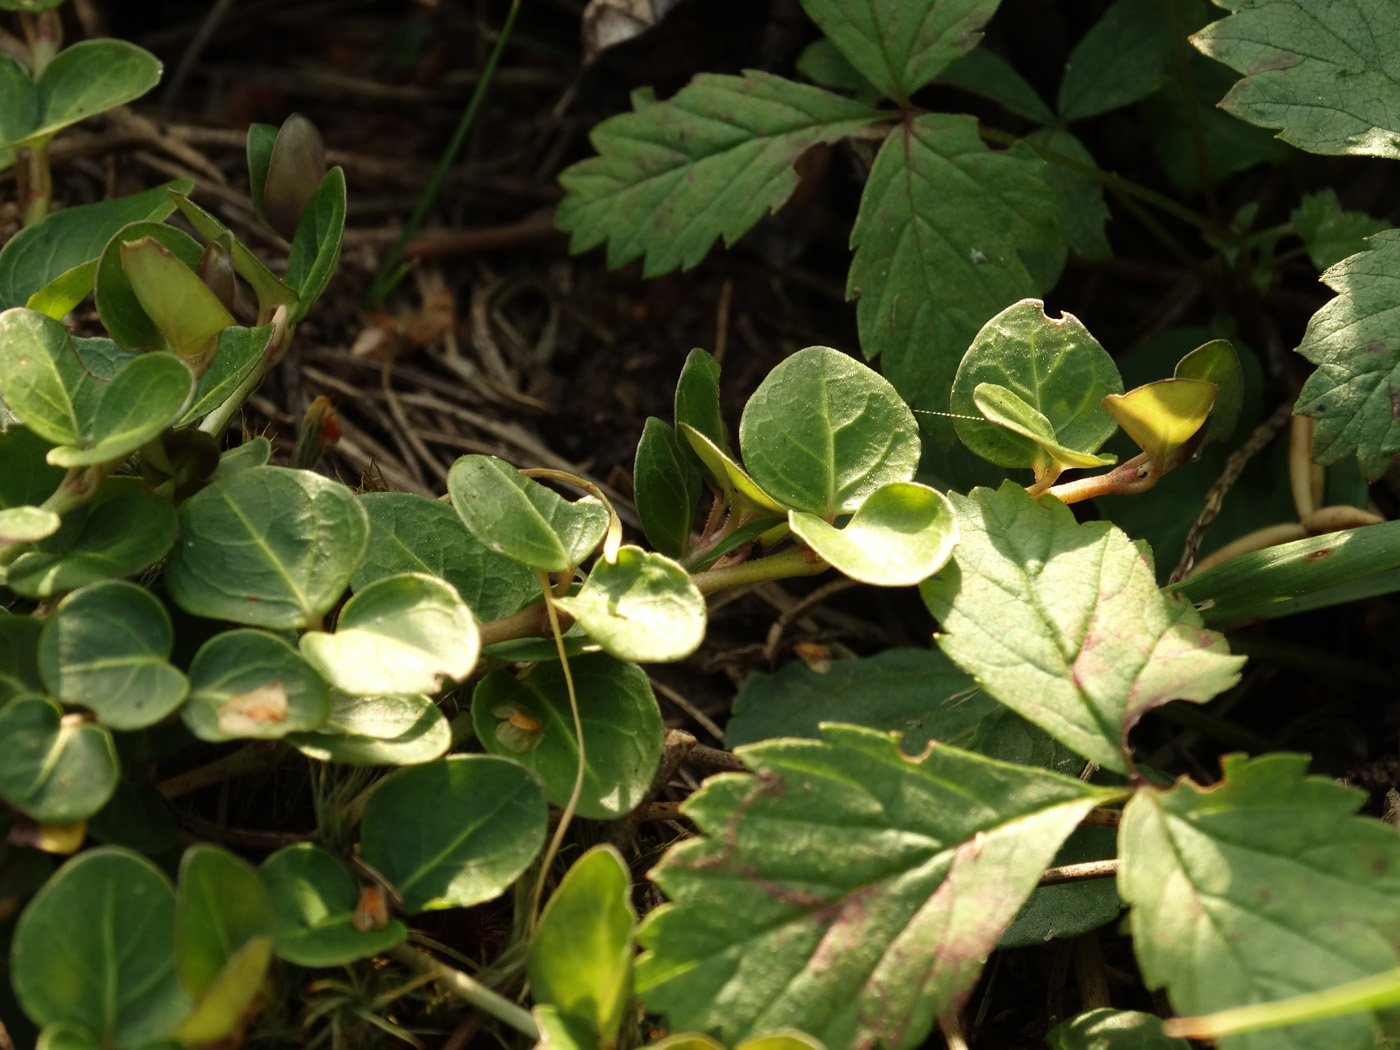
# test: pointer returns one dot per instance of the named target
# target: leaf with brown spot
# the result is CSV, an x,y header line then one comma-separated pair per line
x,y
848,889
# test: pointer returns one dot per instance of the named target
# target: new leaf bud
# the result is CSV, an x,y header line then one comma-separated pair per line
x,y
295,169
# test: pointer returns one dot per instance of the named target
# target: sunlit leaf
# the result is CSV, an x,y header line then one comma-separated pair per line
x,y
1163,416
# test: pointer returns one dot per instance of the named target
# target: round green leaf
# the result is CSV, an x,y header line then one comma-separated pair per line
x,y
315,898
454,832
580,959
902,534
27,524
377,731
401,634
642,607
409,533
520,518
622,729
823,431
1054,366
42,379
107,647
125,318
146,396
92,950
220,905
54,773
122,531
90,77
252,684
667,487
268,547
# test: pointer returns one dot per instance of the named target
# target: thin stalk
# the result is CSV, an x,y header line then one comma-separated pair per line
x,y
796,561
469,989
1378,992
567,816
251,758
1136,475
37,190
392,270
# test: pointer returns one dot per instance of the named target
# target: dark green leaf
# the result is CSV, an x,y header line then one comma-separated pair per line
x,y
1330,232
92,950
237,355
89,77
622,729
260,141
107,647
1081,211
1071,908
1122,59
710,162
455,832
315,249
667,487
268,547
315,898
19,656
697,398
55,773
900,45
1106,1029
409,533
28,478
986,73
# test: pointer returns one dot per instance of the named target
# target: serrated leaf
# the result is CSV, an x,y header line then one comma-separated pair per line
x,y
268,547
107,647
1330,233
1122,59
54,773
401,634
710,162
518,517
1054,366
455,832
847,888
1081,211
986,73
314,898
92,950
1260,887
251,684
1070,908
643,607
1063,622
1355,391
822,432
66,240
622,730
409,533
901,534
580,959
377,731
1322,71
900,45
942,223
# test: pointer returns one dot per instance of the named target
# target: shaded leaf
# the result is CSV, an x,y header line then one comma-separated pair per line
x,y
1330,232
54,773
220,905
673,176
315,250
1122,59
847,887
454,832
1107,1029
666,487
1063,622
986,73
377,731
